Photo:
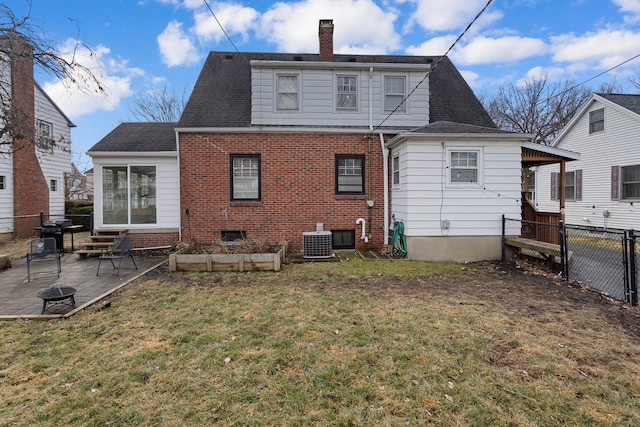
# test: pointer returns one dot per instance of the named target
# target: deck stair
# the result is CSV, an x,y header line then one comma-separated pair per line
x,y
550,252
100,240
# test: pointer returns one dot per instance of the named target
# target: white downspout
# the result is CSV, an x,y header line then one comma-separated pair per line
x,y
179,175
385,175
385,161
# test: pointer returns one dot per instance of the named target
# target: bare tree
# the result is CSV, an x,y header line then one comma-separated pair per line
x,y
21,38
538,107
159,105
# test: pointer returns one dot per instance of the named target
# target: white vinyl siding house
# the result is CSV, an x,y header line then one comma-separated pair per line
x,y
317,106
445,219
55,158
606,135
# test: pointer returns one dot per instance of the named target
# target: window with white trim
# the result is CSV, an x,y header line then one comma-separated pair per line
x,y
464,166
347,93
395,169
129,194
53,185
3,182
394,93
287,92
245,177
44,139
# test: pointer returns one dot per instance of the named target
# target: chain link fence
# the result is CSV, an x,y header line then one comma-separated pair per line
x,y
604,261
16,232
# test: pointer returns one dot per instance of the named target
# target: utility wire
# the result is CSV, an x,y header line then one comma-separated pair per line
x,y
220,25
440,59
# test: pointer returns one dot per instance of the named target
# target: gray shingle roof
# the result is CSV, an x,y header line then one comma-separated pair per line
x,y
138,137
451,127
630,102
222,94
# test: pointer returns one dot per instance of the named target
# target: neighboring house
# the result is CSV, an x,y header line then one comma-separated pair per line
x,y
603,187
32,173
271,146
79,186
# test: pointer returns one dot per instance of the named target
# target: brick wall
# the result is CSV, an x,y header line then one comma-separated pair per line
x,y
31,190
153,240
297,183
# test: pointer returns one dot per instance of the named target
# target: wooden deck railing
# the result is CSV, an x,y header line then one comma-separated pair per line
x,y
541,226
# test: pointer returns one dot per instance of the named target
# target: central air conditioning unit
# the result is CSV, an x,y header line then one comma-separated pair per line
x,y
316,244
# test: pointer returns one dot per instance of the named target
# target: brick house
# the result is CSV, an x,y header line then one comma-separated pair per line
x,y
33,165
271,146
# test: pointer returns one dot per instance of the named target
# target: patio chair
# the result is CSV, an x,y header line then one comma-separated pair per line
x,y
43,249
120,249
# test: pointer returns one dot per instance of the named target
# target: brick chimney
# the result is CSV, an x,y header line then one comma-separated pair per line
x,y
30,187
325,34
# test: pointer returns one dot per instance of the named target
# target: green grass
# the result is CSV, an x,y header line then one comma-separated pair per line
x,y
348,344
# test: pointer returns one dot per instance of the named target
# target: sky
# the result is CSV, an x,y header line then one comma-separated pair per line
x,y
143,45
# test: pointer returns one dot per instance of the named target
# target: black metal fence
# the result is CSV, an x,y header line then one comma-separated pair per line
x,y
604,261
17,231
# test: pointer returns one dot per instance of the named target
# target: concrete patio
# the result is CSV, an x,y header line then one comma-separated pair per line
x,y
18,297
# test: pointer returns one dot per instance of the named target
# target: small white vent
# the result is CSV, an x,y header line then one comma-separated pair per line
x,y
316,244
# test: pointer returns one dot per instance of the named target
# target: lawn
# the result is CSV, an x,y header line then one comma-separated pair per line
x,y
385,343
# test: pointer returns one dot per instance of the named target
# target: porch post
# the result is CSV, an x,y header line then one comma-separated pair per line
x,y
561,189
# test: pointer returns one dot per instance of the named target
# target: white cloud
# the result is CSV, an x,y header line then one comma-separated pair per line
x,y
484,50
433,46
361,26
235,19
114,75
447,15
604,48
631,7
175,46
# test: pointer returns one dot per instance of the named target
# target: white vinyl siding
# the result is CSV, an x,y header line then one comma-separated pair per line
x,y
167,190
56,161
424,200
318,96
616,145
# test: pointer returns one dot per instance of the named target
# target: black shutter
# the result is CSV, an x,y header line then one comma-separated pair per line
x,y
615,182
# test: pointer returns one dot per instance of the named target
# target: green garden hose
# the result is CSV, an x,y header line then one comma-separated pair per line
x,y
399,248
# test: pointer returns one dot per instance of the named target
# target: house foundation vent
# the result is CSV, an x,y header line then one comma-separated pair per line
x,y
316,244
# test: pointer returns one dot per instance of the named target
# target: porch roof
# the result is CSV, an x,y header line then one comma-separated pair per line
x,y
537,154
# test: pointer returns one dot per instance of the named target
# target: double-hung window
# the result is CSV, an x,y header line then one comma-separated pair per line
x,y
394,93
347,93
631,182
287,88
349,174
245,177
395,169
464,166
45,136
596,121
129,194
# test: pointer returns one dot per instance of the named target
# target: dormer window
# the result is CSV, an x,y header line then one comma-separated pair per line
x,y
44,140
347,93
596,121
287,92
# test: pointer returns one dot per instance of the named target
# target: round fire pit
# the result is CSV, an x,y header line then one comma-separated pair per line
x,y
58,295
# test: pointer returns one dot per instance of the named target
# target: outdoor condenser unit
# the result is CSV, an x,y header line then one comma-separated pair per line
x,y
316,244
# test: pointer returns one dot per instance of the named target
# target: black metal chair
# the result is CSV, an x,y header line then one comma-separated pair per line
x,y
43,249
120,249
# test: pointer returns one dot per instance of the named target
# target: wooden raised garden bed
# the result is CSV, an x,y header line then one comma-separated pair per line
x,y
227,262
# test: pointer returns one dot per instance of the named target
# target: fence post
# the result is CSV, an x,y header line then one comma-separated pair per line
x,y
633,277
563,250
504,256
